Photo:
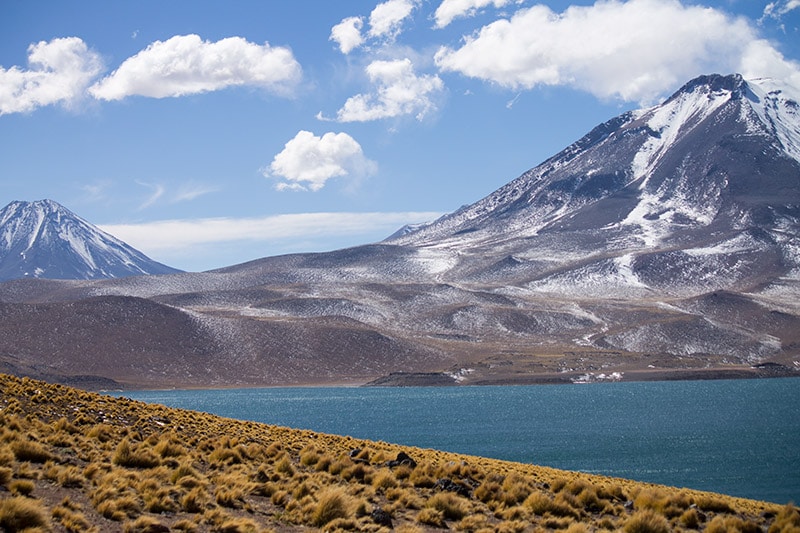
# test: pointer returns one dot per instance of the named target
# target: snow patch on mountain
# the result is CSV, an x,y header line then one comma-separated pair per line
x,y
740,243
435,261
600,279
778,107
670,121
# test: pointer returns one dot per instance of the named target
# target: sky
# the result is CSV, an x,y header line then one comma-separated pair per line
x,y
210,133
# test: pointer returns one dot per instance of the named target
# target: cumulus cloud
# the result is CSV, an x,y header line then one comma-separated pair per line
x,y
60,71
387,18
399,91
633,50
449,10
762,60
307,162
347,34
185,64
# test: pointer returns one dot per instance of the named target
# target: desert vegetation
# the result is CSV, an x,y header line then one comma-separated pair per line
x,y
76,461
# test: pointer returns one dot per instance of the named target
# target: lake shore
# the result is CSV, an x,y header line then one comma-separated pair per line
x,y
438,379
78,461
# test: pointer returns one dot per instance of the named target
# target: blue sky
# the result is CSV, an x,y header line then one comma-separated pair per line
x,y
208,133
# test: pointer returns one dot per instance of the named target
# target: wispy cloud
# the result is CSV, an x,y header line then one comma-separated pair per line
x,y
177,240
632,50
96,191
186,64
185,192
307,161
191,191
779,9
398,91
60,71
157,190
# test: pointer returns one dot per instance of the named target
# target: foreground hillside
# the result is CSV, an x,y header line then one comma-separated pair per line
x,y
76,461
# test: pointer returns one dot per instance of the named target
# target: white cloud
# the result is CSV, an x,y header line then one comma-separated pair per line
x,y
60,70
190,191
399,92
778,9
761,59
307,162
387,18
96,191
347,34
185,64
196,244
157,191
450,10
633,50
186,192
166,234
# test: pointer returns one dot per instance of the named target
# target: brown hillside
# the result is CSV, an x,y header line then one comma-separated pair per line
x,y
74,461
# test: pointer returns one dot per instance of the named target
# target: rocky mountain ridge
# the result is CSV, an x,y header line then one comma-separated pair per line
x,y
662,245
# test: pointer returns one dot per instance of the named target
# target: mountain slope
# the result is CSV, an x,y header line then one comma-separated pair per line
x,y
646,198
664,244
45,240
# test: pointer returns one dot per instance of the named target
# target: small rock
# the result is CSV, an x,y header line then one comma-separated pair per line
x,y
451,486
402,459
382,518
354,456
628,505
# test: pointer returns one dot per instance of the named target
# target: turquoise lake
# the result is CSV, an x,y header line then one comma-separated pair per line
x,y
739,437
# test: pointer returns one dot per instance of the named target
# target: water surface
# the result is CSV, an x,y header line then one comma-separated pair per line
x,y
739,437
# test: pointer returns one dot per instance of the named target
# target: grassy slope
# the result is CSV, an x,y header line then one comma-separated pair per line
x,y
71,460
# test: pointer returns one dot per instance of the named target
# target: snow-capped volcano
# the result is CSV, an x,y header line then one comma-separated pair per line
x,y
712,173
45,240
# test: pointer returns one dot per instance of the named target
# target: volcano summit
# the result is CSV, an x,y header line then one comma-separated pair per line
x,y
43,239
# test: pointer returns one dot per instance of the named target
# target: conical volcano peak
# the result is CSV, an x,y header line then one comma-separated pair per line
x,y
719,157
43,239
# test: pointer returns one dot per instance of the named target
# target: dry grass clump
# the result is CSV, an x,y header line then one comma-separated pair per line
x,y
333,503
76,461
127,455
647,521
787,520
451,506
20,513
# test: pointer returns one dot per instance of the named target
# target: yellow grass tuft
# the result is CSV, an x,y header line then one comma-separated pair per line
x,y
332,504
647,521
451,506
20,513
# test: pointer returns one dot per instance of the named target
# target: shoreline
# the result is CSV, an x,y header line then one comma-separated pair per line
x,y
445,379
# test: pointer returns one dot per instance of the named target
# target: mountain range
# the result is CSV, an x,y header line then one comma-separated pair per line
x,y
661,245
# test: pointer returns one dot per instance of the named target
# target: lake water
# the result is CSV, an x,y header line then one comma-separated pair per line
x,y
737,437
